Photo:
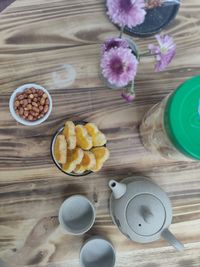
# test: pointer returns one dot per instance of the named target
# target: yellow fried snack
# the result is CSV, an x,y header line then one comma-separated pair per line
x,y
70,134
98,138
101,154
60,149
69,167
74,157
88,162
79,169
84,140
91,128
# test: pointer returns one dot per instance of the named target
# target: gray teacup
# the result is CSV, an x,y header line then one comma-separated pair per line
x,y
76,215
3,264
97,252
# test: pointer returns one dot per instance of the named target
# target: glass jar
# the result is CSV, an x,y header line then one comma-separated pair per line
x,y
172,127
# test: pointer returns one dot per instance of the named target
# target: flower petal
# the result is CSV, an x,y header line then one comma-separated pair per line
x,y
126,12
114,43
128,97
164,52
119,66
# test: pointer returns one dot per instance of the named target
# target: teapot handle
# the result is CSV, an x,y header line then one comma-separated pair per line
x,y
171,239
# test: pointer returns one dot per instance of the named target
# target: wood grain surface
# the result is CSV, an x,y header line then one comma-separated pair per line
x,y
56,43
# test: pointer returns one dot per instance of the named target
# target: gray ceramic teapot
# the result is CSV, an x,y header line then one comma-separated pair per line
x,y
142,210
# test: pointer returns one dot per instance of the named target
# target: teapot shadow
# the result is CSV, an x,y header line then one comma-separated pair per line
x,y
94,231
72,189
119,174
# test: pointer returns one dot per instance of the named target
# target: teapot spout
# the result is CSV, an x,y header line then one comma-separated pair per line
x,y
167,235
118,189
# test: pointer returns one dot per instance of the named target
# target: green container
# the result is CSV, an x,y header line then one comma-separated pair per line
x,y
182,118
171,128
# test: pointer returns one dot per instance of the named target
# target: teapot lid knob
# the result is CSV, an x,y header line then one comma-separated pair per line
x,y
145,214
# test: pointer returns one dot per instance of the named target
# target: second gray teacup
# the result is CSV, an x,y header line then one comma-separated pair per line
x,y
77,215
97,252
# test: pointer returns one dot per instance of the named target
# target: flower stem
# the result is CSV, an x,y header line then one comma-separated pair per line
x,y
148,54
132,88
121,31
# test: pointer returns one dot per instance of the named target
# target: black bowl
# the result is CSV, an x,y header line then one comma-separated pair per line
x,y
52,151
155,21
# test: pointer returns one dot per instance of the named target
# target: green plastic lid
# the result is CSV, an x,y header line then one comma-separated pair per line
x,y
182,118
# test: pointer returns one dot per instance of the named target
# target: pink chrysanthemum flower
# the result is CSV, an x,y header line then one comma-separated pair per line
x,y
114,43
164,51
126,12
119,66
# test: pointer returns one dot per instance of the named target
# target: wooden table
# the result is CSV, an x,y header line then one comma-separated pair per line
x,y
56,43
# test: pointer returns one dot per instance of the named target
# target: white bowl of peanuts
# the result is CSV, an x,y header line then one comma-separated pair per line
x,y
30,104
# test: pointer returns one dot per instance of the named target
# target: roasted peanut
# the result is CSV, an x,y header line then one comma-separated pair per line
x,y
46,108
36,109
16,104
33,90
40,92
26,113
45,95
21,111
35,99
41,108
31,96
27,91
29,106
34,104
30,117
25,102
32,113
42,101
20,97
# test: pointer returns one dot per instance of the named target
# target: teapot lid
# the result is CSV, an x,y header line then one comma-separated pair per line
x,y
145,214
